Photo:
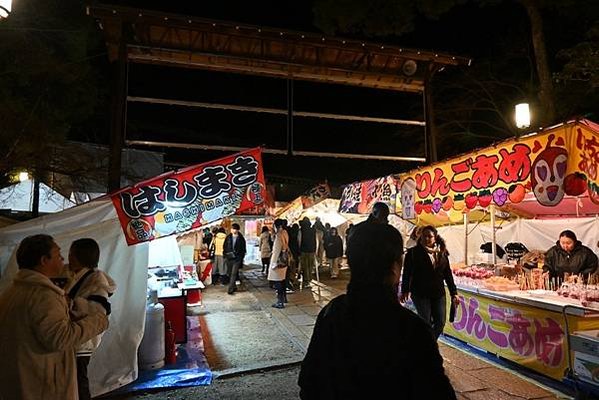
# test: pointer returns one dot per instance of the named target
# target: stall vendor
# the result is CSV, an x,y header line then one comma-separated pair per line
x,y
569,255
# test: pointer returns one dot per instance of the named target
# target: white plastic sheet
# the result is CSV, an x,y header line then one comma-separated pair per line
x,y
535,234
114,363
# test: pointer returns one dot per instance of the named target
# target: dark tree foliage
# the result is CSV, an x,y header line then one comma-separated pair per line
x,y
474,106
50,86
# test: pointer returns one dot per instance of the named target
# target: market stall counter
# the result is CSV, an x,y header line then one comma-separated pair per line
x,y
530,327
177,286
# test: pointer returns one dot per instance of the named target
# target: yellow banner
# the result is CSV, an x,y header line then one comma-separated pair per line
x,y
492,175
584,158
529,336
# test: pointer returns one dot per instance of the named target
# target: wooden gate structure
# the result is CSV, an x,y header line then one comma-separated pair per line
x,y
144,36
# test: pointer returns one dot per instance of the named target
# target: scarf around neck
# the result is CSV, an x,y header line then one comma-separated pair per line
x,y
435,252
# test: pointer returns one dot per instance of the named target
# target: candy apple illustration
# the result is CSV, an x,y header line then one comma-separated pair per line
x,y
575,184
458,202
447,203
516,193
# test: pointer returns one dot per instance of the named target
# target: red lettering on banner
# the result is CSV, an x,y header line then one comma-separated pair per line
x,y
497,314
427,186
461,185
549,342
423,184
589,154
440,185
485,173
514,166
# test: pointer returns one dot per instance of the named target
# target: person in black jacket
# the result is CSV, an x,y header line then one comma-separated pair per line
x,y
307,244
425,268
293,232
569,255
405,360
333,247
234,251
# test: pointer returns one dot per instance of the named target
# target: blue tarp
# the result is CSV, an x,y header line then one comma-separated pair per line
x,y
191,368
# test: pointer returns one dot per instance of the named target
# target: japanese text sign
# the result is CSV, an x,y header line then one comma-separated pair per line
x,y
585,158
192,197
532,337
358,197
315,195
492,175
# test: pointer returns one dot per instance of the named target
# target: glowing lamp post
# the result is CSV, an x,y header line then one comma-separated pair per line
x,y
5,7
23,176
522,115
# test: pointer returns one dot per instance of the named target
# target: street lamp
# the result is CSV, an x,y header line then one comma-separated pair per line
x,y
5,7
23,176
522,115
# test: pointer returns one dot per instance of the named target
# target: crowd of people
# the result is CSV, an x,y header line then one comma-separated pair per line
x,y
310,245
48,333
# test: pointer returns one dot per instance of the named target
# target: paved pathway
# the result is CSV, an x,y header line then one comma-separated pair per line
x,y
472,377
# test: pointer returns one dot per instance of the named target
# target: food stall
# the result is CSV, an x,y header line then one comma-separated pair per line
x,y
523,190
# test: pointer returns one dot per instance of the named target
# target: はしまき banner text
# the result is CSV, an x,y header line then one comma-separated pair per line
x,y
189,198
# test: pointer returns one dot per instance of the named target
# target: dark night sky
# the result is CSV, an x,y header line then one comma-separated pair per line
x,y
466,31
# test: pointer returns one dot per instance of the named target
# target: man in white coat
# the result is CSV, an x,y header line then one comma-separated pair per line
x,y
37,335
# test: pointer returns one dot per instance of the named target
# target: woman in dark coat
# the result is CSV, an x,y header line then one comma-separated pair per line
x,y
569,255
426,267
333,246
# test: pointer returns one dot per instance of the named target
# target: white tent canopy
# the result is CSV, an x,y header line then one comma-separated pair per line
x,y
535,234
19,197
114,364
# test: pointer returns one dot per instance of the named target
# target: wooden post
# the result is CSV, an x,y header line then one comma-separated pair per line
x,y
118,117
289,116
466,239
493,248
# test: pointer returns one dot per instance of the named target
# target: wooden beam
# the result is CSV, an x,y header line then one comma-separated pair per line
x,y
194,146
276,111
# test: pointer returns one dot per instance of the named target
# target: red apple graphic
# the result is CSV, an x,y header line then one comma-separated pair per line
x,y
575,184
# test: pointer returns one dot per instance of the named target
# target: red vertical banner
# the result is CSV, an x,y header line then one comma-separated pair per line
x,y
192,197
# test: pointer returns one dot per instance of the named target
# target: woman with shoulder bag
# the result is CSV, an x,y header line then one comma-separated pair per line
x,y
279,262
426,270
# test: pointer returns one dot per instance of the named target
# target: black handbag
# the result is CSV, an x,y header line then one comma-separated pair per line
x,y
284,258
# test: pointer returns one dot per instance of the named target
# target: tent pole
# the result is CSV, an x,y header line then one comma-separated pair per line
x,y
494,249
465,238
